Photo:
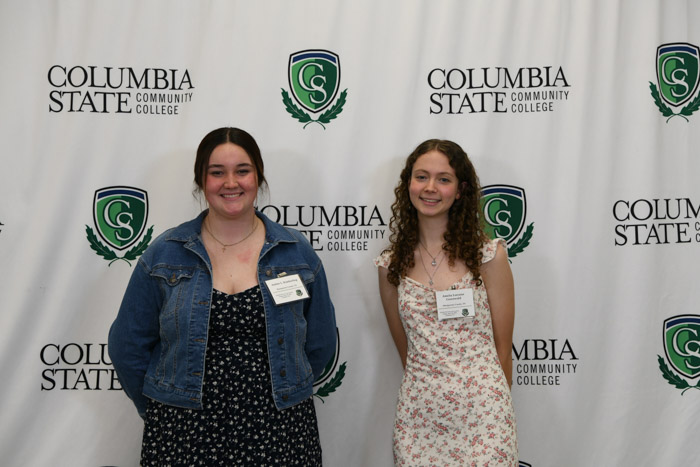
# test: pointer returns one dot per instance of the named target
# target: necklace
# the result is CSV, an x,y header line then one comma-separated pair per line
x,y
225,245
430,276
434,262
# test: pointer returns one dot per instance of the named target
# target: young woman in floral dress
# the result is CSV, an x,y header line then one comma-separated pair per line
x,y
447,292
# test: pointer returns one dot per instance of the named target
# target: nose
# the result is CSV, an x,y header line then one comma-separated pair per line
x,y
230,180
430,186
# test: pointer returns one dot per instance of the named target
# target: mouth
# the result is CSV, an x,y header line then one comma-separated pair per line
x,y
430,201
231,195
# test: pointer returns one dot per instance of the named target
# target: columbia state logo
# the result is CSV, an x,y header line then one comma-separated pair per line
x,y
330,379
677,76
120,214
314,81
681,337
504,210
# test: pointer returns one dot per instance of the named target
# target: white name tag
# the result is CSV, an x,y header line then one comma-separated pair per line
x,y
457,303
287,289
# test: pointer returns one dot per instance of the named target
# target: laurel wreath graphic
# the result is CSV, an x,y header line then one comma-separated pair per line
x,y
333,384
325,117
674,379
131,255
666,111
522,242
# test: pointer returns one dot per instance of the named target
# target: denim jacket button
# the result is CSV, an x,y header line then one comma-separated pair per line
x,y
172,279
285,397
268,273
283,373
280,341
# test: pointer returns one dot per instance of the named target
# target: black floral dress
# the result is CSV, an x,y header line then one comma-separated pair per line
x,y
239,423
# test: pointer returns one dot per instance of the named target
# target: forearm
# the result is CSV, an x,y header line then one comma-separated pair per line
x,y
506,360
321,326
390,303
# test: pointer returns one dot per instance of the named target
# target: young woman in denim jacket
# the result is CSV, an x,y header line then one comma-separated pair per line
x,y
221,374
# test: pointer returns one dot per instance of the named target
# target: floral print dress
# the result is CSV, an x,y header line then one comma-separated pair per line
x,y
239,423
454,406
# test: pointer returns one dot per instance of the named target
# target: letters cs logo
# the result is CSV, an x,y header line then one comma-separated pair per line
x,y
682,349
314,80
504,209
120,214
677,75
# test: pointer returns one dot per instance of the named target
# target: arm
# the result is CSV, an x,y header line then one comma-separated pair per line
x,y
498,281
134,334
321,331
390,301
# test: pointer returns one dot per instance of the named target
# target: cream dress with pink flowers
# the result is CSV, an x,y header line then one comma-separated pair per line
x,y
454,406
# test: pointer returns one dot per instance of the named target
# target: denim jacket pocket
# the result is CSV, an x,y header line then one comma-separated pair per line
x,y
172,275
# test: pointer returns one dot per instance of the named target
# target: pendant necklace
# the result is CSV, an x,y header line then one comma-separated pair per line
x,y
434,263
225,245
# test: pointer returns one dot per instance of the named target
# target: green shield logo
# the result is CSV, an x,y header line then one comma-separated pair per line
x,y
677,72
682,344
314,78
120,214
504,209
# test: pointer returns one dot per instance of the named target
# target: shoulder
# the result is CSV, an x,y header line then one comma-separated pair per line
x,y
289,241
302,244
495,269
384,259
491,248
172,240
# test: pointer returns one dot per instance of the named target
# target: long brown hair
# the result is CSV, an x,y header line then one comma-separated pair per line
x,y
464,236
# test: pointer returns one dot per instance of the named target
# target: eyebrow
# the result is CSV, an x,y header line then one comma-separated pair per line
x,y
439,173
244,164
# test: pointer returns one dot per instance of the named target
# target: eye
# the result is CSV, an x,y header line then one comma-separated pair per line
x,y
243,171
215,172
420,177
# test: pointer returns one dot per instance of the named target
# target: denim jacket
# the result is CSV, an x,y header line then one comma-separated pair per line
x,y
158,341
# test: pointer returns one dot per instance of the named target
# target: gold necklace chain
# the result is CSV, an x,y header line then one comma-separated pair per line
x,y
430,277
225,245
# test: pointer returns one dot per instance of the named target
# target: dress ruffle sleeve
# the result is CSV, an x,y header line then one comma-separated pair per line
x,y
489,249
383,260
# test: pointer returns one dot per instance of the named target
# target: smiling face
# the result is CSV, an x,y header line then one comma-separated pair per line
x,y
231,183
434,186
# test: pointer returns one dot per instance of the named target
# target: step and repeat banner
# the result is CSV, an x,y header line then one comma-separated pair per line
x,y
582,119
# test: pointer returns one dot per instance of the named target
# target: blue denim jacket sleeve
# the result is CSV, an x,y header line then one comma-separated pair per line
x,y
134,335
321,327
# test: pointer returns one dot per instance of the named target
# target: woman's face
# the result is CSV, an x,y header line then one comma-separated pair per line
x,y
231,183
434,185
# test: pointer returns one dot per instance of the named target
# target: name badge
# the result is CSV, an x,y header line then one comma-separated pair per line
x,y
287,289
457,303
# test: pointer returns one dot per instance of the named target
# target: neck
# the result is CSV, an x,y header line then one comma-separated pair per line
x,y
431,232
230,229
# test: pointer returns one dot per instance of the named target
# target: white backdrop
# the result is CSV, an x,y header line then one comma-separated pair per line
x,y
550,97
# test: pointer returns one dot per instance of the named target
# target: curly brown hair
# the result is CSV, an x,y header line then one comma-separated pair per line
x,y
464,236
